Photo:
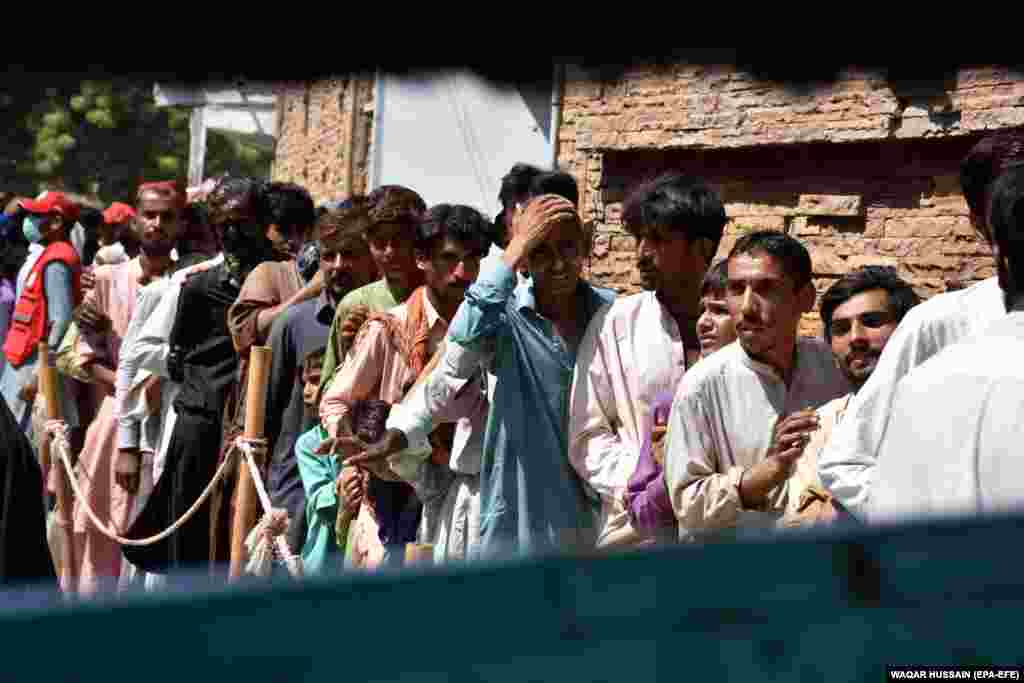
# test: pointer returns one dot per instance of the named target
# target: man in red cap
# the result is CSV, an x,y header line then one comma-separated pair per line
x,y
50,288
116,237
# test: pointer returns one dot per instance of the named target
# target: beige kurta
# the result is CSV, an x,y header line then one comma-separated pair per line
x,y
805,474
953,443
721,424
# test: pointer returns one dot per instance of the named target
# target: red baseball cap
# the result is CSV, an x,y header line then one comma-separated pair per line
x,y
118,213
53,202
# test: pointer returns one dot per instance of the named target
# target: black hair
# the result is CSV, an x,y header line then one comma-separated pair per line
x,y
90,219
234,187
555,182
1007,222
515,185
984,163
289,206
395,204
795,259
901,295
524,182
716,280
461,223
679,203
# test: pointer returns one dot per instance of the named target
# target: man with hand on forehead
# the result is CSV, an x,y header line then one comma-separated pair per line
x,y
531,499
741,418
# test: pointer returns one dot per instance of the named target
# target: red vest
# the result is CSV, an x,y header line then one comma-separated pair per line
x,y
28,324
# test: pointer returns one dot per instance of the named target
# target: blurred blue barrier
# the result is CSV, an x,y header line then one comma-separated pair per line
x,y
809,606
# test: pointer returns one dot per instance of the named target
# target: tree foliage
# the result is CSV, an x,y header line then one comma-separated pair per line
x,y
101,138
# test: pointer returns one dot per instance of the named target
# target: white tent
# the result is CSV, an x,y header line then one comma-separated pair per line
x,y
452,135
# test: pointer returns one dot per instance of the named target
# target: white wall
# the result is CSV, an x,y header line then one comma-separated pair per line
x,y
452,136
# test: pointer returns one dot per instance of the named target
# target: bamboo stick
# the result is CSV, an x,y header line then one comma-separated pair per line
x,y
246,512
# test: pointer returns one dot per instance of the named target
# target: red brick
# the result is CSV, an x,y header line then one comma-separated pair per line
x,y
920,227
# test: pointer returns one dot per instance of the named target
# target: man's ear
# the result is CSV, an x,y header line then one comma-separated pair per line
x,y
422,259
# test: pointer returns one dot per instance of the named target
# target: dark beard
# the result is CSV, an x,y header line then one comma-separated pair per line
x,y
156,248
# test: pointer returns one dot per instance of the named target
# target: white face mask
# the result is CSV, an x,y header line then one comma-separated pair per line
x,y
32,227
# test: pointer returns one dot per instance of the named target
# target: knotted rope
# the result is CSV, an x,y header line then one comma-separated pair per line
x,y
58,432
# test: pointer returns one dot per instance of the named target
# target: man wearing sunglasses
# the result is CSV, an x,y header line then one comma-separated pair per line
x,y
859,313
202,359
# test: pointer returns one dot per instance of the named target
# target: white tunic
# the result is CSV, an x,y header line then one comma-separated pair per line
x,y
846,465
953,445
721,423
631,353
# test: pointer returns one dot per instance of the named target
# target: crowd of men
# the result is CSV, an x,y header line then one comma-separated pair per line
x,y
448,380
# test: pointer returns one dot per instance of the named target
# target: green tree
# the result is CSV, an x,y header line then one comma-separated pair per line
x,y
102,138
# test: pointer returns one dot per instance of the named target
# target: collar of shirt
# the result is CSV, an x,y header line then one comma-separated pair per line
x,y
432,315
802,365
525,299
765,369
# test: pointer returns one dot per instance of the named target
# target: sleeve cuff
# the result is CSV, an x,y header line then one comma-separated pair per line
x,y
128,435
331,426
494,285
415,427
736,475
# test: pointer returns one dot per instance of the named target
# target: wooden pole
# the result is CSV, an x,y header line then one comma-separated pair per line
x,y
48,384
247,504
419,554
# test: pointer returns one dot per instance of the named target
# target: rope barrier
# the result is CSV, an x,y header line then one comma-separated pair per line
x,y
284,552
57,430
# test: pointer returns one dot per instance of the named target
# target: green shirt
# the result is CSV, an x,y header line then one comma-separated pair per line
x,y
376,296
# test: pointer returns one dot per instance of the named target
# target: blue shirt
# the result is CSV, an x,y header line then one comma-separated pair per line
x,y
299,331
532,502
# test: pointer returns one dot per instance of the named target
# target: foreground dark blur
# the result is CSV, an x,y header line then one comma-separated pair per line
x,y
810,604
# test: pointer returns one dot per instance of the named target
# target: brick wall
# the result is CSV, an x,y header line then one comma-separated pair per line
x,y
863,170
315,137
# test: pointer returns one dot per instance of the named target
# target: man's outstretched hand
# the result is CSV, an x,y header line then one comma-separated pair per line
x,y
373,457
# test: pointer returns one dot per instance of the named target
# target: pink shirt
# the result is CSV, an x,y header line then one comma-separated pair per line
x,y
374,367
114,293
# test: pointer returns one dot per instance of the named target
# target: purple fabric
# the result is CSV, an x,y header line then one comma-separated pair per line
x,y
647,500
